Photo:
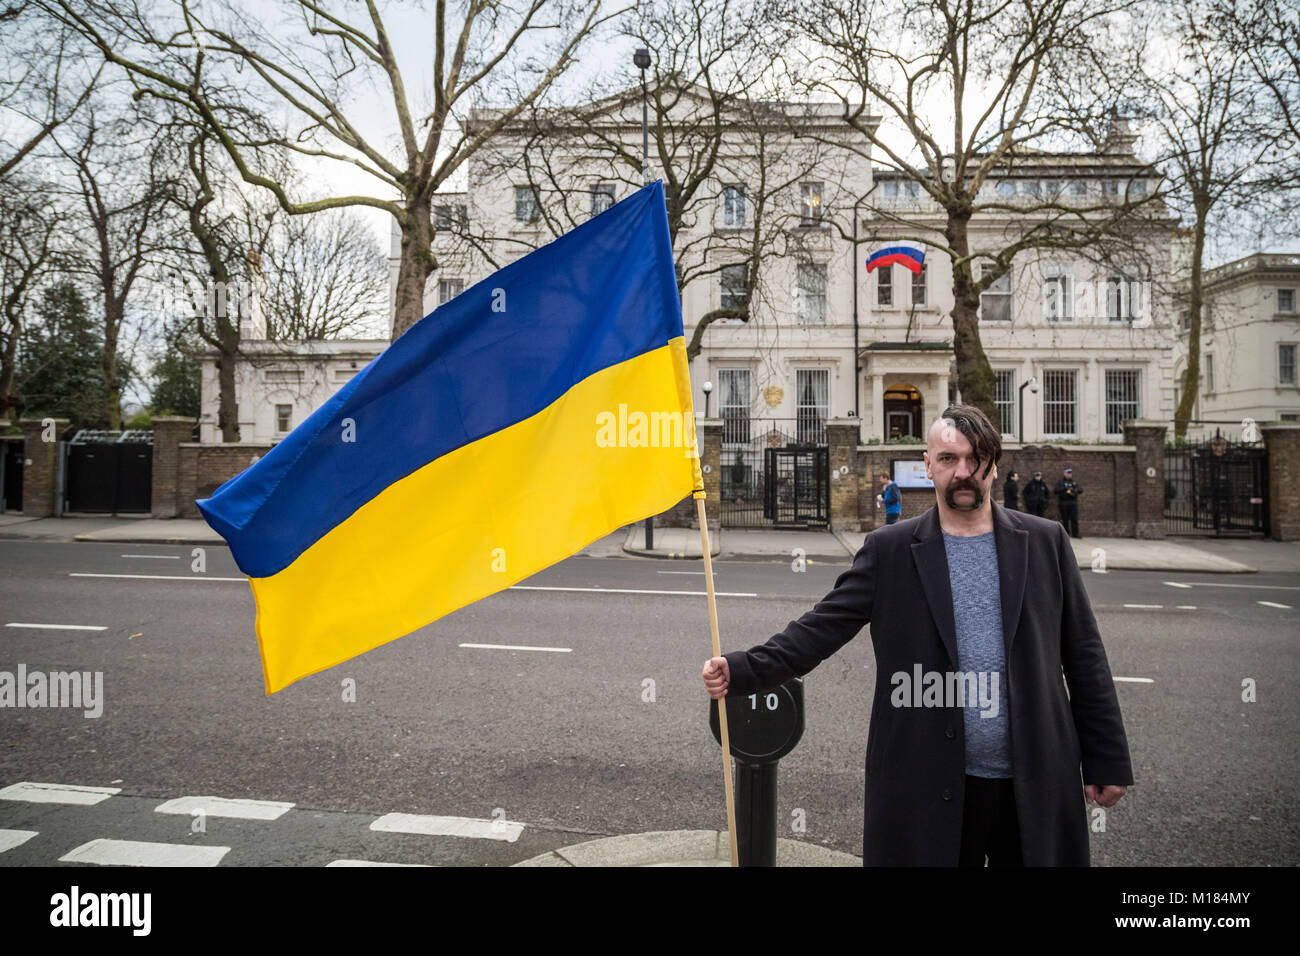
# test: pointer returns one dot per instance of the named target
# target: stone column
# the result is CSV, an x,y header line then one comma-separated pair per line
x,y
877,419
1148,438
40,464
842,439
168,433
1282,439
711,464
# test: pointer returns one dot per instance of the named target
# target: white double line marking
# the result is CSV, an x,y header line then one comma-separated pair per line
x,y
506,830
57,793
226,807
135,853
59,627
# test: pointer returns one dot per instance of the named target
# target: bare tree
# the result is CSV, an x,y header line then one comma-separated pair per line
x,y
328,277
308,65
969,90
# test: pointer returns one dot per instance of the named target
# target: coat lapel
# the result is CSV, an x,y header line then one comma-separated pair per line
x,y
932,564
1013,569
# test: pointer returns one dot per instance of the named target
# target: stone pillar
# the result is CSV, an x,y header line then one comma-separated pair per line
x,y
842,440
1282,439
40,464
711,464
877,419
1148,477
168,433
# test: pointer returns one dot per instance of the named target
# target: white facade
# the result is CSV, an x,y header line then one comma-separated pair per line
x,y
1250,338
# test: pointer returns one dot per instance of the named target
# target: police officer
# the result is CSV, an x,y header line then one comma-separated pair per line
x,y
1011,492
1067,500
1036,495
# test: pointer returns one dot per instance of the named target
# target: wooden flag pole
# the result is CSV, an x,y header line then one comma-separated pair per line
x,y
722,704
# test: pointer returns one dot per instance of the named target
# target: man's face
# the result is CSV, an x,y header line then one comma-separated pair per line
x,y
950,464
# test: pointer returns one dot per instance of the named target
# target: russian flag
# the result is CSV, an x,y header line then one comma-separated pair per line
x,y
905,256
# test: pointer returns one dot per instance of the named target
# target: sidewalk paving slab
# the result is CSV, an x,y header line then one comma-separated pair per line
x,y
681,848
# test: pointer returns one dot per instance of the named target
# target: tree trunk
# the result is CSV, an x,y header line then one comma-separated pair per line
x,y
1192,374
415,266
111,410
975,377
227,407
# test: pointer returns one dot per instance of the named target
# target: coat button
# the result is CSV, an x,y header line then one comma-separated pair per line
x,y
949,733
947,794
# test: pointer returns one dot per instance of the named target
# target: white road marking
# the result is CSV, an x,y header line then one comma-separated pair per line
x,y
1145,605
1185,607
135,853
507,830
153,577
525,587
60,627
370,863
12,838
1285,607
158,557
1216,584
57,793
679,572
519,647
226,807
1135,680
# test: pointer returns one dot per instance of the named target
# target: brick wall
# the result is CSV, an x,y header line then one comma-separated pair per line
x,y
1283,442
685,514
168,434
40,464
202,469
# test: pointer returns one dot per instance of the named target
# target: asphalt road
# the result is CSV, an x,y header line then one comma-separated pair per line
x,y
606,737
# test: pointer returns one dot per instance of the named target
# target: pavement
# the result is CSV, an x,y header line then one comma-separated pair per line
x,y
681,848
1204,554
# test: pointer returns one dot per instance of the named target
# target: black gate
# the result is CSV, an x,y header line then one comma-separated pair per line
x,y
775,473
11,464
109,476
1216,487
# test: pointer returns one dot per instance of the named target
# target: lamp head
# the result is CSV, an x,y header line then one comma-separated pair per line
x,y
641,58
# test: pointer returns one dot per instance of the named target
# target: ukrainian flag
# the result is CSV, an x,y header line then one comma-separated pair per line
x,y
542,408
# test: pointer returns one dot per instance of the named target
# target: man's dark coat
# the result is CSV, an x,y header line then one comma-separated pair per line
x,y
916,755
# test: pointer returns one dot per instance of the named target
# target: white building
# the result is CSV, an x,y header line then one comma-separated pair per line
x,y
1250,332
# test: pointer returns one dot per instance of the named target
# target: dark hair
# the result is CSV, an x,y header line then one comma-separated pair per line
x,y
985,442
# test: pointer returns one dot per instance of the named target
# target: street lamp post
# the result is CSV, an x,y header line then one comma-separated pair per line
x,y
641,59
1032,385
707,387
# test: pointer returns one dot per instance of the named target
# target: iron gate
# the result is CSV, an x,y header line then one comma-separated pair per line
x,y
775,473
106,473
1216,487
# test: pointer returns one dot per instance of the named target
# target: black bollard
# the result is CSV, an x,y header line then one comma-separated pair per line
x,y
756,813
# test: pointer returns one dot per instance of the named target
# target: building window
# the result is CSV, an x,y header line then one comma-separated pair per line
x,y
1289,417
448,289
1122,399
1121,298
1054,187
734,282
733,206
885,285
734,404
1187,319
1059,403
447,217
1110,187
811,293
527,208
919,285
1030,187
1078,187
995,301
283,417
602,198
1007,187
812,391
1058,295
810,203
891,189
1286,364
1004,397
1138,187
1286,300
912,188
1209,373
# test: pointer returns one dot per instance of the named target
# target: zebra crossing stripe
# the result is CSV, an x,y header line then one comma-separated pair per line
x,y
423,825
226,807
57,793
369,863
12,838
134,853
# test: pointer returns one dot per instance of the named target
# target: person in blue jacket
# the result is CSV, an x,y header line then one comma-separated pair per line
x,y
891,498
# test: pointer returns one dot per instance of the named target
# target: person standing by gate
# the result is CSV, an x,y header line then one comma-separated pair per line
x,y
890,497
1067,499
1011,493
1036,495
